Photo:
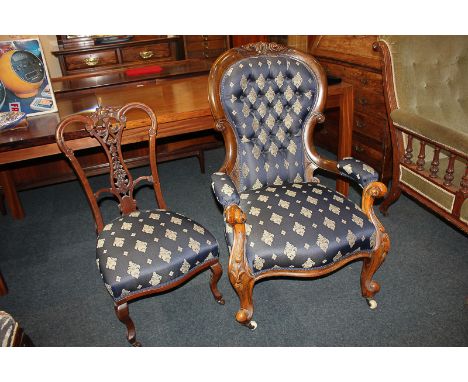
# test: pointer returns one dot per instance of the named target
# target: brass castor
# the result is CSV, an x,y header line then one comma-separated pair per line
x,y
252,325
372,303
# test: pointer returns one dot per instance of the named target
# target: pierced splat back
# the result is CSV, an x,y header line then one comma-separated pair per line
x,y
106,125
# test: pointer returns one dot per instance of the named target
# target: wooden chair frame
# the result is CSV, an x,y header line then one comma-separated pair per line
x,y
240,274
403,156
106,125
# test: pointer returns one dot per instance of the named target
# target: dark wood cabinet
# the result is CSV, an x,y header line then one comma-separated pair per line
x,y
83,54
204,46
353,59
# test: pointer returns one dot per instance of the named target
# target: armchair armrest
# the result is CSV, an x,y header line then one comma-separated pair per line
x,y
224,189
358,171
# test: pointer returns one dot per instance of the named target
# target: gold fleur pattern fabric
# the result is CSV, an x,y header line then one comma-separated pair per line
x,y
357,171
301,226
268,99
224,189
149,249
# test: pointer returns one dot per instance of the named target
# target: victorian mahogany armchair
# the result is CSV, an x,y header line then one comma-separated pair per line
x,y
266,100
139,253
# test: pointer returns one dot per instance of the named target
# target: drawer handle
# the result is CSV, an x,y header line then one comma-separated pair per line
x,y
360,124
358,149
145,54
206,44
205,55
205,37
91,61
364,81
362,101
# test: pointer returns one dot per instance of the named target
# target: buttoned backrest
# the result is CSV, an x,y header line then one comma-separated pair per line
x,y
268,98
430,77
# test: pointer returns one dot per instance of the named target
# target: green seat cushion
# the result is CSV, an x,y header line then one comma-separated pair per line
x,y
455,139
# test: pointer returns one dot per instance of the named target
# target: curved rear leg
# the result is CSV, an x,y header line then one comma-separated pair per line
x,y
121,310
216,273
393,195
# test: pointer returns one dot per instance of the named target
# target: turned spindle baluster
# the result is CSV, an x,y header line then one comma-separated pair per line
x,y
448,178
409,150
435,163
422,155
464,182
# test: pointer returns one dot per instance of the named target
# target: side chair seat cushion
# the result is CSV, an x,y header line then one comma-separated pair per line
x,y
301,226
149,249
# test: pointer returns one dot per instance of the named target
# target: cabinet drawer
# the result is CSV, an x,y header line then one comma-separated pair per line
x,y
367,151
369,102
90,60
147,53
204,45
200,38
372,127
359,78
207,53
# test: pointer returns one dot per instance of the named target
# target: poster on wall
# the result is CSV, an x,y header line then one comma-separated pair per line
x,y
24,81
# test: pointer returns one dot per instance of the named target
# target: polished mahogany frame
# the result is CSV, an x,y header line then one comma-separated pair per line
x,y
404,157
239,271
106,125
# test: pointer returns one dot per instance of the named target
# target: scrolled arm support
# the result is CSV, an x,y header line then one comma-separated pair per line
x,y
371,192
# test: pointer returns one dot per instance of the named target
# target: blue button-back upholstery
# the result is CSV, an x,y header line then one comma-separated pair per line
x,y
149,249
268,100
301,226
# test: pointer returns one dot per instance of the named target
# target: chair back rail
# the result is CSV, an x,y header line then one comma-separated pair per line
x,y
107,125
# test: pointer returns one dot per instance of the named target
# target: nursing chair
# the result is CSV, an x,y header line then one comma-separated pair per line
x,y
266,100
139,253
426,92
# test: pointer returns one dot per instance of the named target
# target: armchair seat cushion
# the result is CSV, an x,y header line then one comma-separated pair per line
x,y
301,226
149,249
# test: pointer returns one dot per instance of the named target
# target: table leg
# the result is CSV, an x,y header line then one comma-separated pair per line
x,y
11,196
345,133
3,286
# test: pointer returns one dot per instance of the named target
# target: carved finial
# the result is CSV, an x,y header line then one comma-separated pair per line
x,y
264,47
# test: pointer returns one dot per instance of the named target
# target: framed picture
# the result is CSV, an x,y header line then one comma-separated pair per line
x,y
24,80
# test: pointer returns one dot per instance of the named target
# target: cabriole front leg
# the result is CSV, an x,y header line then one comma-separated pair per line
x,y
240,274
370,287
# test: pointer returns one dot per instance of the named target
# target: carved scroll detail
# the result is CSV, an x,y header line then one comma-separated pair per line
x,y
264,47
107,128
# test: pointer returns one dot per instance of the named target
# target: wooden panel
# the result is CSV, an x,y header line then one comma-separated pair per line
x,y
150,52
91,60
353,49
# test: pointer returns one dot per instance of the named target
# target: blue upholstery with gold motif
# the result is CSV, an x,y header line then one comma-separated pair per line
x,y
357,171
268,99
150,249
224,189
301,226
